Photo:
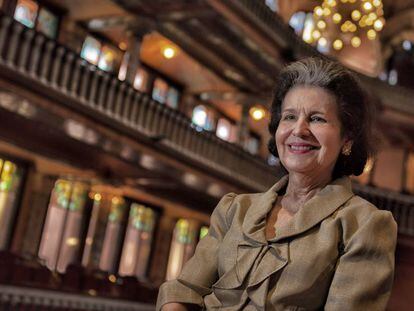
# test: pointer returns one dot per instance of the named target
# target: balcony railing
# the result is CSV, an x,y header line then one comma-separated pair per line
x,y
401,206
15,298
47,67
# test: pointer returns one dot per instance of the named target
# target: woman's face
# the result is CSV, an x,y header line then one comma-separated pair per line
x,y
308,138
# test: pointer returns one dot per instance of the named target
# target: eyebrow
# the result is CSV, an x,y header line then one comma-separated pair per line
x,y
311,112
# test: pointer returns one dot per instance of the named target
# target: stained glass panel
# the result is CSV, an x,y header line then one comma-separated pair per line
x,y
108,59
182,247
223,129
160,89
26,12
47,23
10,183
203,117
91,50
172,98
141,79
137,245
203,231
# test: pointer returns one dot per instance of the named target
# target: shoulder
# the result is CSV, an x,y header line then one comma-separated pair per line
x,y
232,204
358,214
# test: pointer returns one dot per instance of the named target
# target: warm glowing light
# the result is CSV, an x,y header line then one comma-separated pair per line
x,y
356,42
72,241
257,113
115,200
352,27
318,11
168,52
321,25
356,15
122,45
338,44
378,25
316,34
97,197
336,18
112,278
326,11
371,34
331,3
367,6
377,3
322,42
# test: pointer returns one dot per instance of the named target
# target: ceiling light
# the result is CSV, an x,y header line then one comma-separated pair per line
x,y
336,18
378,25
371,34
356,15
367,6
322,41
356,42
168,52
257,113
338,44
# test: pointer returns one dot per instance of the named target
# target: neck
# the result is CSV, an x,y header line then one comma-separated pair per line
x,y
301,188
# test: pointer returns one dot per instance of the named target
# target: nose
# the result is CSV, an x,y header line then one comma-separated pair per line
x,y
301,128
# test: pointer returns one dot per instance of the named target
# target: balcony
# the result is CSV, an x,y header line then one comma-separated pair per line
x,y
47,68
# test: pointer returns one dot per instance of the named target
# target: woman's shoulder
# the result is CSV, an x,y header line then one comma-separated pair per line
x,y
357,212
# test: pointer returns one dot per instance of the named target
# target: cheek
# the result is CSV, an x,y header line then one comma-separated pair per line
x,y
280,135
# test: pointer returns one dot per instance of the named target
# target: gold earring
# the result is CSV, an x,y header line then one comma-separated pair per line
x,y
346,149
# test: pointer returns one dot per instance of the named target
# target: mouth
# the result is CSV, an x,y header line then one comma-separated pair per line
x,y
301,148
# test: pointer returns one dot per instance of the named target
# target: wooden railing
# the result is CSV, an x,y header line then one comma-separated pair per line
x,y
401,206
51,69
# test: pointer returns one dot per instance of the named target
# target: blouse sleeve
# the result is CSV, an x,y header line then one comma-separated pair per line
x,y
200,272
364,274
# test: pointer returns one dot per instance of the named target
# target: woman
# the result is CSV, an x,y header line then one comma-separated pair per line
x,y
308,243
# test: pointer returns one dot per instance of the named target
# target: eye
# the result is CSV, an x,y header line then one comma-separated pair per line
x,y
288,117
317,119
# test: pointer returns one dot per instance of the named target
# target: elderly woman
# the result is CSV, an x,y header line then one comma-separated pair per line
x,y
309,242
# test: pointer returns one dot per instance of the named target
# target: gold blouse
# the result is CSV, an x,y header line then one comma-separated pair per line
x,y
336,253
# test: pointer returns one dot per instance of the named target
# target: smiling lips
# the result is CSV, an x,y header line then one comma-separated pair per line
x,y
301,148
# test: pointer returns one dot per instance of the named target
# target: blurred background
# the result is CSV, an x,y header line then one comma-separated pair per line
x,y
122,123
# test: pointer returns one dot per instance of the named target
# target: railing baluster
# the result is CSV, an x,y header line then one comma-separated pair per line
x,y
5,24
74,81
119,100
56,69
11,55
102,90
132,118
67,70
35,55
93,100
126,111
111,97
47,60
25,49
85,83
143,112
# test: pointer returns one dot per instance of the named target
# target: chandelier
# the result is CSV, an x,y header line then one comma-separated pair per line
x,y
342,22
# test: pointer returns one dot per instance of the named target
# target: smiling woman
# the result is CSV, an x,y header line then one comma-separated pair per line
x,y
308,243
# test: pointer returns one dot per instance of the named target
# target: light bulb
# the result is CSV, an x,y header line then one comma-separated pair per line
x,y
336,18
356,42
371,34
338,44
356,15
